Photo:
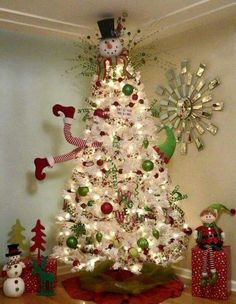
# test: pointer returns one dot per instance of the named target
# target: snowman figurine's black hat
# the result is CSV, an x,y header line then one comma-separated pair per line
x,y
13,250
107,28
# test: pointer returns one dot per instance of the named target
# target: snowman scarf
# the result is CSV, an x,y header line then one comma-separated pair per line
x,y
113,61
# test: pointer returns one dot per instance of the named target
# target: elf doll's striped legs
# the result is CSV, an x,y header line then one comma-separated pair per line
x,y
68,120
41,163
208,257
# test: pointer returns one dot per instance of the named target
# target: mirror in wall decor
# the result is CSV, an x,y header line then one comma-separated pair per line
x,y
187,104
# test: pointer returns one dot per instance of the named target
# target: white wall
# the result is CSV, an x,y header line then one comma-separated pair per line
x,y
32,80
208,176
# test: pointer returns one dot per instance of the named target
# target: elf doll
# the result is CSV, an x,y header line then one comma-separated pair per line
x,y
210,237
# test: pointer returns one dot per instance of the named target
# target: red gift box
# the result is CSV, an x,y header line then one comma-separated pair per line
x,y
32,281
221,290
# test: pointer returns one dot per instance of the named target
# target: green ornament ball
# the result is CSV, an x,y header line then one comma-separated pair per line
x,y
72,242
142,243
99,236
133,252
83,191
147,165
127,89
155,233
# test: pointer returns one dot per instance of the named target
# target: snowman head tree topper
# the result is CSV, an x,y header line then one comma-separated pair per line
x,y
110,43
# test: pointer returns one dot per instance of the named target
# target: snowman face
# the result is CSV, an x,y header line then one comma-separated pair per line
x,y
14,259
110,47
14,271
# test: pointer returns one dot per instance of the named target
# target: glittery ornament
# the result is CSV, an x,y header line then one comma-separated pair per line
x,y
83,191
100,162
142,243
147,165
155,233
106,208
72,242
133,252
127,89
99,236
76,263
135,96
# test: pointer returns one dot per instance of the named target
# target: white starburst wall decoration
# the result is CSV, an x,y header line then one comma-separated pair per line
x,y
186,103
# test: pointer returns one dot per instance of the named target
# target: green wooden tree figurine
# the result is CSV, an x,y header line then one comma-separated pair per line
x,y
17,237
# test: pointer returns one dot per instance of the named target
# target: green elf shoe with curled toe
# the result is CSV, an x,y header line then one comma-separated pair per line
x,y
213,278
203,281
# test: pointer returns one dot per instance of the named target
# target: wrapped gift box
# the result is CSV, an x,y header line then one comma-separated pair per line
x,y
32,281
221,290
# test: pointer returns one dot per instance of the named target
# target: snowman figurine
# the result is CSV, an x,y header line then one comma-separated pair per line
x,y
110,47
13,285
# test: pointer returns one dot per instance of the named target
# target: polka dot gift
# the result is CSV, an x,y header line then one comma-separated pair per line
x,y
32,281
221,290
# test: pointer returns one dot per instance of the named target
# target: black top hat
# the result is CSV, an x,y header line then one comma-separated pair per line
x,y
13,250
107,29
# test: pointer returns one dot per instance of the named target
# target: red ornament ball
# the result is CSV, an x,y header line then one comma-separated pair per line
x,y
106,208
98,83
76,263
187,231
100,162
232,211
99,112
131,104
135,96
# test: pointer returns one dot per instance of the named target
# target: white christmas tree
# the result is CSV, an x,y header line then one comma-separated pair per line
x,y
118,204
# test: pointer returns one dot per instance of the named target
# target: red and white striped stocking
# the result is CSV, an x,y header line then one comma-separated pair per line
x,y
208,252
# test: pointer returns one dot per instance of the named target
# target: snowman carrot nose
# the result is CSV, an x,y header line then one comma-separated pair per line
x,y
109,45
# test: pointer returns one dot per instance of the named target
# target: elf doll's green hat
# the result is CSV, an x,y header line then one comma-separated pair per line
x,y
218,208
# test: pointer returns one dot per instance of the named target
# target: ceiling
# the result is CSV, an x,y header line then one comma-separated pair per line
x,y
70,19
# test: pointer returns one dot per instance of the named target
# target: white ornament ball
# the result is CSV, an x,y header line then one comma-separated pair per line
x,y
13,287
110,47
